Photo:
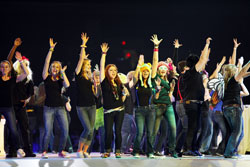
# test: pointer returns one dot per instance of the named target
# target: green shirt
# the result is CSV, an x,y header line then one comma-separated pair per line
x,y
163,97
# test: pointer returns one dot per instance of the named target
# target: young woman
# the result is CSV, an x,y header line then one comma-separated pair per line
x,y
8,80
54,80
144,112
86,108
23,91
114,94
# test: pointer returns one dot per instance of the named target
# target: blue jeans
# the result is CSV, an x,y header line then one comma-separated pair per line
x,y
9,115
219,121
233,116
128,132
166,111
241,136
49,114
144,116
162,137
206,127
87,118
182,127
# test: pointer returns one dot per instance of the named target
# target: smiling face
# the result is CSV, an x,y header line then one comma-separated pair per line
x,y
112,72
145,74
86,66
5,68
162,71
55,68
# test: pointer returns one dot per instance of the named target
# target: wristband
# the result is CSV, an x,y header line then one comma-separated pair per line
x,y
51,49
156,49
83,46
104,53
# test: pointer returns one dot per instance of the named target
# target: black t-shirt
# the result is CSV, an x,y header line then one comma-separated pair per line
x,y
23,91
143,95
110,101
232,92
7,91
53,91
129,102
194,88
84,92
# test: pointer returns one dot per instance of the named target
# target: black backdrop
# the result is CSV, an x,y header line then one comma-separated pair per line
x,y
131,21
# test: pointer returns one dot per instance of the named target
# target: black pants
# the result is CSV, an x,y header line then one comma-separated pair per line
x,y
109,119
23,123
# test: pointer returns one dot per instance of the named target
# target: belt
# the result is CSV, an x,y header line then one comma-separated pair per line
x,y
231,105
193,101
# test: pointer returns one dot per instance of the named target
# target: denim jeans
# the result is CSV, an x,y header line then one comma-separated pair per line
x,y
162,137
87,118
128,132
109,119
49,114
9,115
182,127
193,113
220,123
206,127
166,111
241,136
233,116
144,117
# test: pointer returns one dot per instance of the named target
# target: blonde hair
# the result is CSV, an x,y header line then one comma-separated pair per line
x,y
83,67
228,71
18,68
6,61
55,62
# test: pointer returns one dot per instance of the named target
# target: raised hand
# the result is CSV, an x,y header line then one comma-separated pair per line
x,y
85,39
155,40
172,85
177,44
17,42
236,44
18,56
169,60
241,60
158,82
63,69
104,47
208,40
51,43
141,60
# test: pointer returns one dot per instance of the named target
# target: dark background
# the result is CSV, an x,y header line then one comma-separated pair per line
x,y
116,21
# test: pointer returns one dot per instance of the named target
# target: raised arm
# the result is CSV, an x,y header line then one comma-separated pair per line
x,y
204,56
17,43
64,77
243,73
82,56
233,58
156,42
218,68
25,73
48,57
136,73
244,91
105,49
175,54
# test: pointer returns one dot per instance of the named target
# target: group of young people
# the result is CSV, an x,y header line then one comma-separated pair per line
x,y
148,92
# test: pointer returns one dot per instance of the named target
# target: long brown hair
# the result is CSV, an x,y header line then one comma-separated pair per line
x,y
116,80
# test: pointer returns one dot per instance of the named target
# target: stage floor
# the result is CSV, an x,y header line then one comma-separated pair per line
x,y
125,161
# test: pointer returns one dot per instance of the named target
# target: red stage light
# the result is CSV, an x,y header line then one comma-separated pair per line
x,y
123,42
128,55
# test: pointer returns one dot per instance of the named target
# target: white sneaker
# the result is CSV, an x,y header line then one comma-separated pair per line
x,y
136,155
20,153
44,155
79,154
86,155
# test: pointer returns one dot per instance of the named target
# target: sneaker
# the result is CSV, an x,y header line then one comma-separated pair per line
x,y
206,152
79,154
86,155
63,154
20,153
44,155
158,154
151,156
118,155
70,150
173,154
197,153
105,155
231,156
189,153
136,155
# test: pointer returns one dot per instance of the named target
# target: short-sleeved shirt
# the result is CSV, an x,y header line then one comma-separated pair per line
x,y
109,99
194,88
7,91
84,91
53,91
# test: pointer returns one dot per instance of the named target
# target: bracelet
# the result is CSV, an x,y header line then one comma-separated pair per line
x,y
83,46
104,53
156,49
51,49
